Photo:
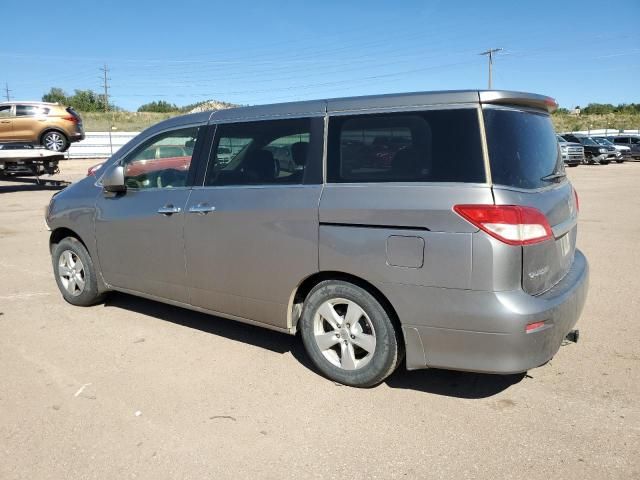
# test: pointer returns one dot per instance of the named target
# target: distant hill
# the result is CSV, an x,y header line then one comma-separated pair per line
x,y
208,105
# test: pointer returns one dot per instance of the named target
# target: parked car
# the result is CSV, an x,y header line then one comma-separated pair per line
x,y
572,153
622,153
51,125
593,151
631,141
458,252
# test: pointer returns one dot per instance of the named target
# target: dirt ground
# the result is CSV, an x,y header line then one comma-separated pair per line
x,y
137,389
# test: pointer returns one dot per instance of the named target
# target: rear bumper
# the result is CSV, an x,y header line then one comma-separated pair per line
x,y
76,137
485,331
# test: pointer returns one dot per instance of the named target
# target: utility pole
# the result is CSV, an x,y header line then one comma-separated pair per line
x,y
105,85
6,91
490,53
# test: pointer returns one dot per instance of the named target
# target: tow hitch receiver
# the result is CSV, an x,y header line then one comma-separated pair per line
x,y
573,336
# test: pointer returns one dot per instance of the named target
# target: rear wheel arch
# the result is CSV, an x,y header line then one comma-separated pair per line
x,y
301,292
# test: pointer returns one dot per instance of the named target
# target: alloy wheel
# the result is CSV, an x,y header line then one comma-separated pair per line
x,y
344,334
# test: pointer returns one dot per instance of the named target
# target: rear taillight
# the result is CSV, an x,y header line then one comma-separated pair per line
x,y
532,327
575,194
93,170
512,224
70,118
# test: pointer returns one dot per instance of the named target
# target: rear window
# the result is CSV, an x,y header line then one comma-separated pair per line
x,y
522,147
433,146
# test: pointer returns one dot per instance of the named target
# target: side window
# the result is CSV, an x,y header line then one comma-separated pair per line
x,y
26,110
5,111
260,153
634,140
161,162
432,146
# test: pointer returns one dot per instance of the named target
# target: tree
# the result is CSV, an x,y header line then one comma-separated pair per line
x,y
55,95
81,100
159,106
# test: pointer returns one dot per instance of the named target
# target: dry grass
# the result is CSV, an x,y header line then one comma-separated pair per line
x,y
614,121
134,121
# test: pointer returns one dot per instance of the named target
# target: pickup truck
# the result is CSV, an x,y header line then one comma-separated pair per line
x,y
593,151
572,153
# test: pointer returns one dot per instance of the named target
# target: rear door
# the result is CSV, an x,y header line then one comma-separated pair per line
x,y
251,231
6,121
527,170
28,121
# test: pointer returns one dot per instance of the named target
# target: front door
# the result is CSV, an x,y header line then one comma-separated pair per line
x,y
251,232
5,123
140,232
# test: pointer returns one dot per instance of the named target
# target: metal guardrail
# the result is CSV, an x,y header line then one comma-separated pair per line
x,y
98,144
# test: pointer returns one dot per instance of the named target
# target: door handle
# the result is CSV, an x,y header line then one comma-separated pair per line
x,y
169,210
202,208
5,121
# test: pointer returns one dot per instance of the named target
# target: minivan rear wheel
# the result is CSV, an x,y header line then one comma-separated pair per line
x,y
75,273
349,335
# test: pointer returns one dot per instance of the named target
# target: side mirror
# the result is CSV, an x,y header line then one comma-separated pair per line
x,y
113,180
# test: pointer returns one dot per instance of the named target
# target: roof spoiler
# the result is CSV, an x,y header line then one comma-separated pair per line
x,y
501,97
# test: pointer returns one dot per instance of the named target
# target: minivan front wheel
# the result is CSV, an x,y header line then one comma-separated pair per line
x,y
55,141
348,334
75,273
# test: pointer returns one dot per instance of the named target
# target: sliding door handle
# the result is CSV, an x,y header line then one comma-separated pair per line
x,y
202,208
169,210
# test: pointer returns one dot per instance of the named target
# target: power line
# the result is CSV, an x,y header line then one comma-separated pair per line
x,y
6,92
489,53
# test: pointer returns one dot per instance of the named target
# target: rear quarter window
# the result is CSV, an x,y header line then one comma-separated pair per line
x,y
431,146
522,147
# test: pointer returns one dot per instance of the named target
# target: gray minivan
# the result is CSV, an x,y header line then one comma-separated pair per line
x,y
438,229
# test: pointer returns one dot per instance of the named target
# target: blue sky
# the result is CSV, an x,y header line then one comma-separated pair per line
x,y
254,52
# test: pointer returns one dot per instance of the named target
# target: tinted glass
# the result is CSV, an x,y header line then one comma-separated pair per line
x,y
27,110
433,146
163,161
5,110
522,147
260,153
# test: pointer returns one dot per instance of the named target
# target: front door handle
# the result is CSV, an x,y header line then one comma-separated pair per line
x,y
169,210
5,121
202,208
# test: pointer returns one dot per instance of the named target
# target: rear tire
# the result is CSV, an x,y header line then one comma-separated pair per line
x,y
349,335
55,141
75,273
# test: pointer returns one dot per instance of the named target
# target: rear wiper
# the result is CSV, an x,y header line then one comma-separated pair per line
x,y
554,176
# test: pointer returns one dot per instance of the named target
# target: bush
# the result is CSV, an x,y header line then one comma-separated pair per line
x,y
159,106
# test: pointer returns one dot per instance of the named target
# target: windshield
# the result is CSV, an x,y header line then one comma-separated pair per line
x,y
561,139
588,141
523,148
603,141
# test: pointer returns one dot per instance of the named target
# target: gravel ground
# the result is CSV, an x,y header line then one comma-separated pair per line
x,y
137,389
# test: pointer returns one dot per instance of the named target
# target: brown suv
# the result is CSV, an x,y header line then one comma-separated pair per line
x,y
51,125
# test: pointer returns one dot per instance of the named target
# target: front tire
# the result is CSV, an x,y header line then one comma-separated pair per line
x,y
349,335
75,273
55,141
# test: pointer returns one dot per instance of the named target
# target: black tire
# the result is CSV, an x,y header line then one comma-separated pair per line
x,y
604,162
89,294
619,161
388,351
54,137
